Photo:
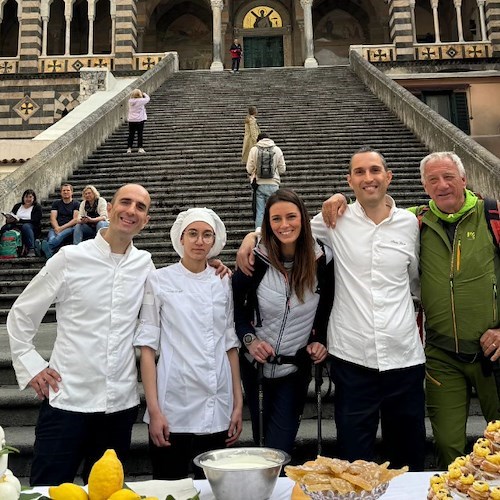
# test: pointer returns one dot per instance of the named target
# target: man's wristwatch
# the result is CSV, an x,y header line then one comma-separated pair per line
x,y
249,338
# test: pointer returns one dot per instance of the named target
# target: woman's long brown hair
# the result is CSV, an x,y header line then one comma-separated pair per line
x,y
303,276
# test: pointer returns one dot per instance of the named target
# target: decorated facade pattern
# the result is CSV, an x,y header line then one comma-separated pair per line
x,y
380,54
61,64
454,51
144,62
30,105
9,66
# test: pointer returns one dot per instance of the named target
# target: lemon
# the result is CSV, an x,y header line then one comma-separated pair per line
x,y
106,476
124,494
67,491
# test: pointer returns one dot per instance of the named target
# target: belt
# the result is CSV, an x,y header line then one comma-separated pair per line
x,y
280,359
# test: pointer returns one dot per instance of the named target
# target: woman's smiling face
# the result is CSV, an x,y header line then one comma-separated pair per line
x,y
286,222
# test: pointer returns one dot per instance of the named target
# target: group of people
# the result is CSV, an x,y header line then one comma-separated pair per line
x,y
341,287
71,221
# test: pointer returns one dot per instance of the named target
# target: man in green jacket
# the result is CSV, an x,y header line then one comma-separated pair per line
x,y
459,272
460,269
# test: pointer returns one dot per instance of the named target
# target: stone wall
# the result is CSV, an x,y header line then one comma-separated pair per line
x,y
46,170
30,104
438,134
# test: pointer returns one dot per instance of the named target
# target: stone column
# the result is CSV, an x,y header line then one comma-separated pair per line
x,y
217,6
458,9
140,38
125,34
413,22
434,5
68,15
492,21
91,14
310,61
402,32
480,4
45,22
112,13
30,35
44,13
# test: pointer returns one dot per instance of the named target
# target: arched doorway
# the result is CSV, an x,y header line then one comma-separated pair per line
x,y
338,24
9,29
263,48
184,27
266,41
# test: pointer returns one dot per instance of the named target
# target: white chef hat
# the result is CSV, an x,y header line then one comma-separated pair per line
x,y
195,215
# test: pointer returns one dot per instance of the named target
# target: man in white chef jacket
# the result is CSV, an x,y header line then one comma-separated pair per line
x,y
89,386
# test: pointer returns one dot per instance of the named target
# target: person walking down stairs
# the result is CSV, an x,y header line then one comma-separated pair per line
x,y
236,52
136,118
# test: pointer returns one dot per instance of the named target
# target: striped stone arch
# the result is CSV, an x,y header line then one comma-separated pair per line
x,y
2,4
9,27
184,27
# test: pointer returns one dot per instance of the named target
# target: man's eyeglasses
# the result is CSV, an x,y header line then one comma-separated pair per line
x,y
193,235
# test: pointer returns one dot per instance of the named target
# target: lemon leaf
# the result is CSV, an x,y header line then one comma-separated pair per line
x,y
8,449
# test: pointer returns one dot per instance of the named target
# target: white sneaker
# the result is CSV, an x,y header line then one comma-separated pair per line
x,y
140,150
129,150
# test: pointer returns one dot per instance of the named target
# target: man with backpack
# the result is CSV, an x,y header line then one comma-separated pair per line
x,y
459,271
264,166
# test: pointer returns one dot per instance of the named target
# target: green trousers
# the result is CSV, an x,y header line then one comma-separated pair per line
x,y
449,384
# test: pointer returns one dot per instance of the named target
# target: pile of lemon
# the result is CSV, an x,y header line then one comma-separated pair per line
x,y
105,483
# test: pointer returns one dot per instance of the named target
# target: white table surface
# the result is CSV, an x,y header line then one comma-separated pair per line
x,y
410,486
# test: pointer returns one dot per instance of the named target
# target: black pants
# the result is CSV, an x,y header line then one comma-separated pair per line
x,y
284,400
176,460
134,127
235,64
64,438
396,397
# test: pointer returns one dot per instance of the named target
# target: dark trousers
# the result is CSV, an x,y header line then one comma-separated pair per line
x,y
176,461
235,64
64,438
134,127
284,400
396,397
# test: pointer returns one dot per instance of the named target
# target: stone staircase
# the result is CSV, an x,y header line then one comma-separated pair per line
x,y
193,141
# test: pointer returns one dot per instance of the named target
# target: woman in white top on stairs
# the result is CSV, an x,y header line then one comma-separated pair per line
x,y
136,118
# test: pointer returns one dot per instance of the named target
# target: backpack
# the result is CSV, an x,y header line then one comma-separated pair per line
x,y
490,212
10,244
265,162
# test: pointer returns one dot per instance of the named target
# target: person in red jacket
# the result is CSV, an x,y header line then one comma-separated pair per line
x,y
236,51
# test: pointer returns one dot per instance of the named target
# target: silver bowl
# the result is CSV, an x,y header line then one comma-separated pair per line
x,y
243,482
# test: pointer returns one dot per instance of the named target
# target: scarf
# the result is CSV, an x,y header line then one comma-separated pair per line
x,y
470,202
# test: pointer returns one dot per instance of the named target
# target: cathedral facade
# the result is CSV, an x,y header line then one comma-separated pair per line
x,y
57,36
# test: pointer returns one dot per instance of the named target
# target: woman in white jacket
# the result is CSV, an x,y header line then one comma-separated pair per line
x,y
193,394
136,118
281,314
